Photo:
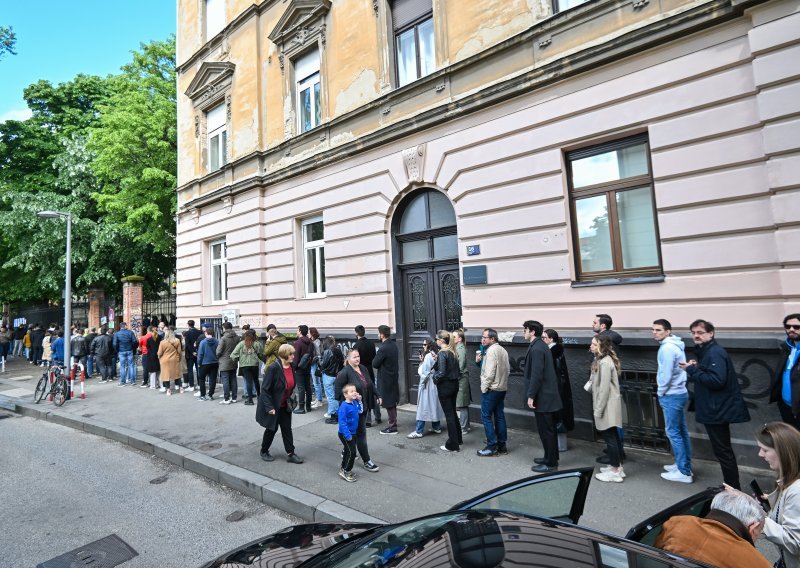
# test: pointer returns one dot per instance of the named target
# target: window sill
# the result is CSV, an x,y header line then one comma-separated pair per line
x,y
219,302
313,296
619,281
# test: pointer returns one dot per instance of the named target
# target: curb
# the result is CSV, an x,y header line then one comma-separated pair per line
x,y
273,493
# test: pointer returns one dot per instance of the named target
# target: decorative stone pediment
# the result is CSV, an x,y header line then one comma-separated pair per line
x,y
300,21
213,78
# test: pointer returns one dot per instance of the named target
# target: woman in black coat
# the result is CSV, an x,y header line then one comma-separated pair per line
x,y
274,408
356,374
445,376
565,419
151,367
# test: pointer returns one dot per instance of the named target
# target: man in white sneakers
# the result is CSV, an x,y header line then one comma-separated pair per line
x,y
673,397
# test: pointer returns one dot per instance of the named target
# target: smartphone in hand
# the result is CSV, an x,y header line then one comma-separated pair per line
x,y
759,495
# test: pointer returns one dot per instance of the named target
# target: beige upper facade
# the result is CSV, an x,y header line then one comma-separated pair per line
x,y
705,93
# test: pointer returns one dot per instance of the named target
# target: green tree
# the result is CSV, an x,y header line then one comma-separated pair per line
x,y
8,39
135,144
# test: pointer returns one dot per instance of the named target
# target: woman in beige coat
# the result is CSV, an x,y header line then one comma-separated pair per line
x,y
607,404
170,354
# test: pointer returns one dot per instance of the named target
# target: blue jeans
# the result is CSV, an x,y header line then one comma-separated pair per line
x,y
333,404
493,416
674,407
317,382
89,365
434,426
127,367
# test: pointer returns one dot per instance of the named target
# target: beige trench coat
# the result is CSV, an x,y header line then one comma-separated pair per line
x,y
606,400
169,357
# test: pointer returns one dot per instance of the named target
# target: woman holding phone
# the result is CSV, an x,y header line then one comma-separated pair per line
x,y
779,446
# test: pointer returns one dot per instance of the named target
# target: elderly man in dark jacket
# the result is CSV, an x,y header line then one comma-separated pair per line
x,y
541,385
387,362
718,398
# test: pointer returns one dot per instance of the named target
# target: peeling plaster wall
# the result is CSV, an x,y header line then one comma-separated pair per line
x,y
244,95
474,26
190,29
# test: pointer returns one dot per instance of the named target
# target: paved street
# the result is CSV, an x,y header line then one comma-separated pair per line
x,y
63,489
415,478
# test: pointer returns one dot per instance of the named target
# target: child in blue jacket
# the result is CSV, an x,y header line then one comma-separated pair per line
x,y
348,424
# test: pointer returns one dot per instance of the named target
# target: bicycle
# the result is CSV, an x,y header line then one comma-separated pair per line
x,y
53,383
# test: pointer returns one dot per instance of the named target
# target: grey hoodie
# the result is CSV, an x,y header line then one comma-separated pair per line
x,y
671,378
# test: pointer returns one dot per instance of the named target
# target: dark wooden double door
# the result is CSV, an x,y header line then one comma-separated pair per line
x,y
431,301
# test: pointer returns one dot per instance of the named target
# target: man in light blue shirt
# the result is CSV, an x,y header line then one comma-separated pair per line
x,y
673,397
786,384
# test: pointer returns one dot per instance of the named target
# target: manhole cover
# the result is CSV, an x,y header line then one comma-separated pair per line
x,y
159,480
104,553
211,446
235,516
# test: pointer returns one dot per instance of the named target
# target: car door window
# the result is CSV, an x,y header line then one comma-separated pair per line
x,y
557,496
611,556
697,505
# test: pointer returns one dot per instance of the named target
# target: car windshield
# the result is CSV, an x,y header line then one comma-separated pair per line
x,y
473,537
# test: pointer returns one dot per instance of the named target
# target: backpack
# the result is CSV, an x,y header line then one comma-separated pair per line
x,y
305,362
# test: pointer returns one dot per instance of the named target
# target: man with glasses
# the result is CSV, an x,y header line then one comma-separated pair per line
x,y
494,384
718,398
786,383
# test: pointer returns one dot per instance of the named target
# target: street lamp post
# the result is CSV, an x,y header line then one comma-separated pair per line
x,y
67,277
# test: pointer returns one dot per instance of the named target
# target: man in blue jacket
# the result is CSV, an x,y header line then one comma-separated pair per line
x,y
718,398
208,364
125,345
786,384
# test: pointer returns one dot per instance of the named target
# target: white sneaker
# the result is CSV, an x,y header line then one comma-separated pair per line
x,y
326,415
608,468
316,404
184,385
671,467
233,401
414,434
609,476
197,393
188,389
162,389
677,476
224,401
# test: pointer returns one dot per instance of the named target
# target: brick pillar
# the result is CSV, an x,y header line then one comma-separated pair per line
x,y
96,298
132,303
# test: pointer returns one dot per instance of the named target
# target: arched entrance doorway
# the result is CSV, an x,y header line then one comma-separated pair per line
x,y
426,245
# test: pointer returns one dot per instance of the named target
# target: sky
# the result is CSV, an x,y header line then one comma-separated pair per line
x,y
57,40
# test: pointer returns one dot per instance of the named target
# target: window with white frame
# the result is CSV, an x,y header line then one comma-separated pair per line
x,y
412,22
314,256
217,138
218,261
306,72
215,17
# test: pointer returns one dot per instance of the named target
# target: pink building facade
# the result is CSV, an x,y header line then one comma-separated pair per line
x,y
649,169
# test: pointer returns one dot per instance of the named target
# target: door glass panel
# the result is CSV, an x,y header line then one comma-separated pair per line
x,y
419,303
414,217
415,251
442,213
637,228
427,61
593,234
451,301
548,498
445,247
406,57
610,166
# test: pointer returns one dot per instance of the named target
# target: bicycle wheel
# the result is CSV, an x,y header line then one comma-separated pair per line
x,y
60,391
41,388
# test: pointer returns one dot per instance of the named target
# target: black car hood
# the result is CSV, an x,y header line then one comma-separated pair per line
x,y
290,546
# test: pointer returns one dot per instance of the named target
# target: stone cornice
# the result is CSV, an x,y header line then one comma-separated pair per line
x,y
679,25
212,77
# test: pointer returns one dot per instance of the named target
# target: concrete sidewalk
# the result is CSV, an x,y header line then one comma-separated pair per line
x,y
222,442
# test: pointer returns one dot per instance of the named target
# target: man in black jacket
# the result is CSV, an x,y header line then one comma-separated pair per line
x,y
37,336
366,349
387,362
786,383
89,338
102,351
541,385
303,346
718,398
190,337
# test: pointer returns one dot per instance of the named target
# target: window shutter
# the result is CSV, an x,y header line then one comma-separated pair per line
x,y
406,11
306,65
